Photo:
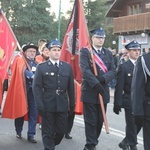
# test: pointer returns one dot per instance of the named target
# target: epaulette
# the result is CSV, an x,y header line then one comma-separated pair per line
x,y
63,62
42,63
106,49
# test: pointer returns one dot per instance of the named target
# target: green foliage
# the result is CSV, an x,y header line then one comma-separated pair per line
x,y
95,14
30,19
64,24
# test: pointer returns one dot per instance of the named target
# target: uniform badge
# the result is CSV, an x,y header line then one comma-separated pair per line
x,y
129,74
103,52
52,73
33,68
49,63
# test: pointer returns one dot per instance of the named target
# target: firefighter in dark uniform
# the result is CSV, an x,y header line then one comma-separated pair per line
x,y
93,85
54,94
141,96
122,96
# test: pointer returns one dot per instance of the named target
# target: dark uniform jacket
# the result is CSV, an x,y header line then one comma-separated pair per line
x,y
122,96
29,75
89,94
54,92
141,88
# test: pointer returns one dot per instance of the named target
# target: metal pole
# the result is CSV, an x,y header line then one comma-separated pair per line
x,y
59,21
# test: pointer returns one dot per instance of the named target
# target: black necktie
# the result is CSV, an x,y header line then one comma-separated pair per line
x,y
99,52
56,65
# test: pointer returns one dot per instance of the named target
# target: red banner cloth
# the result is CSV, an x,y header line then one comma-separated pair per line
x,y
15,105
1,91
75,38
8,45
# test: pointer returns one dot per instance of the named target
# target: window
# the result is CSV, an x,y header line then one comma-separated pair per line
x,y
134,9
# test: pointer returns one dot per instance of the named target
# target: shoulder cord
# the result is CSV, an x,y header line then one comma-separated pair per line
x,y
145,69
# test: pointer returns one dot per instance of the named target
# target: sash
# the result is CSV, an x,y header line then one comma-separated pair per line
x,y
145,69
100,62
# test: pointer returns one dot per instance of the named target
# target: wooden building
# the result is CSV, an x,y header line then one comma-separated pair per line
x,y
131,20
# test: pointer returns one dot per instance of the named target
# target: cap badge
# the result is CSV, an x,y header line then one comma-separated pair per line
x,y
52,73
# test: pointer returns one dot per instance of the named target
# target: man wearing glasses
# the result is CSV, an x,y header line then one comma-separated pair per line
x,y
20,102
93,85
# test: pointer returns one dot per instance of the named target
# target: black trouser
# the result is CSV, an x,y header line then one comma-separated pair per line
x,y
32,117
93,120
131,128
70,122
5,85
19,124
54,126
146,132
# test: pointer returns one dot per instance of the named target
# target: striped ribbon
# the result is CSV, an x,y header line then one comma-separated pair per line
x,y
100,62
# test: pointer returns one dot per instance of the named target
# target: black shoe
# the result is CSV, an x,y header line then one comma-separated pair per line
x,y
19,136
32,140
90,148
133,147
67,136
124,146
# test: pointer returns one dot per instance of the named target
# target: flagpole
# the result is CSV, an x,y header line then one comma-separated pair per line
x,y
59,21
100,96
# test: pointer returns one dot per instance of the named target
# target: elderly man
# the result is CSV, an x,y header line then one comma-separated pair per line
x,y
20,100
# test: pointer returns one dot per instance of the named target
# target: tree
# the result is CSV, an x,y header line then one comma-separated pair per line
x,y
64,24
95,14
30,19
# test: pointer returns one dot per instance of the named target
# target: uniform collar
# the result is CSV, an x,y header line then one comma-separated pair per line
x,y
133,61
97,49
53,62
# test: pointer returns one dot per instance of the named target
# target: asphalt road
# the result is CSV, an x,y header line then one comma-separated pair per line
x,y
110,141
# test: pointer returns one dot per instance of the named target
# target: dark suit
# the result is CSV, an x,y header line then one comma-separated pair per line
x,y
141,97
54,95
122,98
92,111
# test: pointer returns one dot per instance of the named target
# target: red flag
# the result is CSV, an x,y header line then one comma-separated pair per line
x,y
1,91
75,38
15,105
8,45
